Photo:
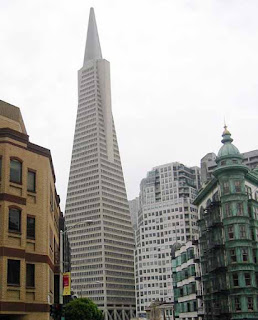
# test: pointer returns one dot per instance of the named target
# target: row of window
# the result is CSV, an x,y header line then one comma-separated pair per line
x,y
13,273
16,174
15,223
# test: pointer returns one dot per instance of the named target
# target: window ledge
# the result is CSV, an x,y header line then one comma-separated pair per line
x,y
16,183
33,240
31,289
17,286
16,234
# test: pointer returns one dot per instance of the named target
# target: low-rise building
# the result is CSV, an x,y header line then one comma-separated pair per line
x,y
29,223
188,304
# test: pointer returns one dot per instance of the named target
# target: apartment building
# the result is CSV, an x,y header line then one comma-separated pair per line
x,y
29,223
166,216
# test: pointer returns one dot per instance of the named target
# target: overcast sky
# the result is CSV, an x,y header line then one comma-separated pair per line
x,y
178,68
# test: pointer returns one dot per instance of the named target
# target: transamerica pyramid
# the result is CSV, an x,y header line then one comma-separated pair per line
x,y
102,252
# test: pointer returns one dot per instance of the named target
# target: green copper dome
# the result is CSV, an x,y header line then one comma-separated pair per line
x,y
228,149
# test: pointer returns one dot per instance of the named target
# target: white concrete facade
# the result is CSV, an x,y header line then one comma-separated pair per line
x,y
166,216
102,252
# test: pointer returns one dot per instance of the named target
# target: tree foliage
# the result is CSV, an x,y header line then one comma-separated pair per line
x,y
82,309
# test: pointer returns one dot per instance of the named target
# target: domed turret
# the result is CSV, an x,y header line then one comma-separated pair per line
x,y
228,153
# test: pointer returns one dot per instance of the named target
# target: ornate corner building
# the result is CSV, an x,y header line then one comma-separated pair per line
x,y
29,223
228,242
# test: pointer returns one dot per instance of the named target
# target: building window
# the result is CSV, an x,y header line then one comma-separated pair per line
x,y
240,209
250,303
31,227
254,255
31,181
30,275
15,171
237,304
227,210
237,186
231,232
244,254
233,257
235,280
247,279
226,187
13,272
14,220
242,231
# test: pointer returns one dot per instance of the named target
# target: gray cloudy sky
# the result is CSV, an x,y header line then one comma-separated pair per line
x,y
177,68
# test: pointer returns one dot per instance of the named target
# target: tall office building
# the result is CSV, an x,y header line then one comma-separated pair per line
x,y
166,216
102,252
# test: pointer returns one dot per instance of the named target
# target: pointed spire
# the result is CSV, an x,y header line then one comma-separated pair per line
x,y
92,50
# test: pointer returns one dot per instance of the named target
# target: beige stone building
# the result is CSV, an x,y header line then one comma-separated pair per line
x,y
29,223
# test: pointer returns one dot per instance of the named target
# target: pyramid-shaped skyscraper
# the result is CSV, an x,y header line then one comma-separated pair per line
x,y
101,252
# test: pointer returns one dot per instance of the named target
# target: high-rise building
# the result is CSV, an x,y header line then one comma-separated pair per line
x,y
228,242
102,252
208,163
166,216
29,223
134,206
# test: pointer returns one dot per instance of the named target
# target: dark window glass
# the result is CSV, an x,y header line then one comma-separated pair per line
x,y
237,304
244,254
15,171
238,186
247,279
235,280
31,227
230,232
254,255
31,182
233,255
250,303
13,272
30,275
14,220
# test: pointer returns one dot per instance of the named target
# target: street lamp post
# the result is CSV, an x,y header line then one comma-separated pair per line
x,y
87,222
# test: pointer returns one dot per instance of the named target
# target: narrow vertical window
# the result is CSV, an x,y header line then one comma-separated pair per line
x,y
226,187
227,210
237,186
242,231
244,254
237,304
250,303
15,171
233,257
30,275
14,220
230,232
235,280
240,209
13,272
247,279
31,227
31,181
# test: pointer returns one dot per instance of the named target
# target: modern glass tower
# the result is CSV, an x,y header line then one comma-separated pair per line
x,y
101,252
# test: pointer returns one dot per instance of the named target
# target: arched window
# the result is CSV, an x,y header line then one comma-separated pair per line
x,y
15,170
